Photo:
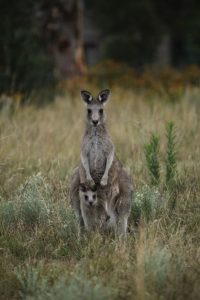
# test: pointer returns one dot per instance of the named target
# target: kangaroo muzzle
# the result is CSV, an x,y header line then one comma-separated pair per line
x,y
95,122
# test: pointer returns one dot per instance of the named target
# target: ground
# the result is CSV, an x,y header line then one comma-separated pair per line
x,y
43,256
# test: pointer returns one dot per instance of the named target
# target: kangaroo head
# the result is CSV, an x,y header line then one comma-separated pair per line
x,y
88,194
95,106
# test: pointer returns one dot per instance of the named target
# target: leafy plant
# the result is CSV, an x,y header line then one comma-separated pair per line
x,y
152,158
157,266
171,153
33,200
77,288
32,285
8,214
147,204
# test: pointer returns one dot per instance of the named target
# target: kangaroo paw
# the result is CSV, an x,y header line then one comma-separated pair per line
x,y
90,182
104,181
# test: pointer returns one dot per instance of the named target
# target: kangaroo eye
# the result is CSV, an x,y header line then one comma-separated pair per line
x,y
89,111
101,111
86,197
94,197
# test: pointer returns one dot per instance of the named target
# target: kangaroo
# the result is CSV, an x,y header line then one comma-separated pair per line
x,y
74,196
97,150
86,204
92,210
110,207
99,166
117,197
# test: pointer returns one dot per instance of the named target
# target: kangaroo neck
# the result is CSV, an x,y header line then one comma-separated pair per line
x,y
96,130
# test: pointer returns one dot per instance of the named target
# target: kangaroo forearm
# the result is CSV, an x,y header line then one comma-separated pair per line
x,y
85,163
109,162
82,174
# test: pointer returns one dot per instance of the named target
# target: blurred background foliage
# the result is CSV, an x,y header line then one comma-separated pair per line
x,y
133,29
24,63
151,45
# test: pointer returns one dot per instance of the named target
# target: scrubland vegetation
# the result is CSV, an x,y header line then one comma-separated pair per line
x,y
42,255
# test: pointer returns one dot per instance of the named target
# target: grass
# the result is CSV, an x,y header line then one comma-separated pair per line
x,y
42,255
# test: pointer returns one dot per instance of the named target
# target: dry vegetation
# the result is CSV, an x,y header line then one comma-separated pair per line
x,y
41,254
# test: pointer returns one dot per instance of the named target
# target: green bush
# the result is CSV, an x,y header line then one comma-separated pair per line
x,y
171,153
35,287
77,288
31,283
31,205
157,266
152,158
34,201
8,214
147,204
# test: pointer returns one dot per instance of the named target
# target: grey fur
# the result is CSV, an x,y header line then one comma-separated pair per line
x,y
114,200
90,217
97,149
99,166
74,196
92,210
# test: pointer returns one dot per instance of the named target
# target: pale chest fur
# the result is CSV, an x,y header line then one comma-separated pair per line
x,y
96,149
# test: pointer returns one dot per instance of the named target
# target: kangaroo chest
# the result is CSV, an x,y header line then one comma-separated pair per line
x,y
97,150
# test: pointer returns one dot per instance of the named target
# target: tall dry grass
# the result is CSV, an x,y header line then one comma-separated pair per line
x,y
42,254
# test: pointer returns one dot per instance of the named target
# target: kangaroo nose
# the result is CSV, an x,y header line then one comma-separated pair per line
x,y
95,122
91,203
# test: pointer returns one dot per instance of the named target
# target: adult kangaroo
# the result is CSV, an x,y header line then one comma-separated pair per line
x,y
100,167
97,150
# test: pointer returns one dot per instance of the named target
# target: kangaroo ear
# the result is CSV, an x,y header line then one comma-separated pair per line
x,y
103,96
82,187
86,96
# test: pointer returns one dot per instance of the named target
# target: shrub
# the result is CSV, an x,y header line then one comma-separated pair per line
x,y
147,204
34,201
69,220
170,162
77,288
35,287
31,283
8,214
157,266
152,158
31,205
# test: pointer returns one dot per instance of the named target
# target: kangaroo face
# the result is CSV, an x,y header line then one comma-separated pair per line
x,y
95,114
95,107
88,195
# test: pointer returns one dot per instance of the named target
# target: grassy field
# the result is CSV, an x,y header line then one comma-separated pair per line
x,y
42,255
